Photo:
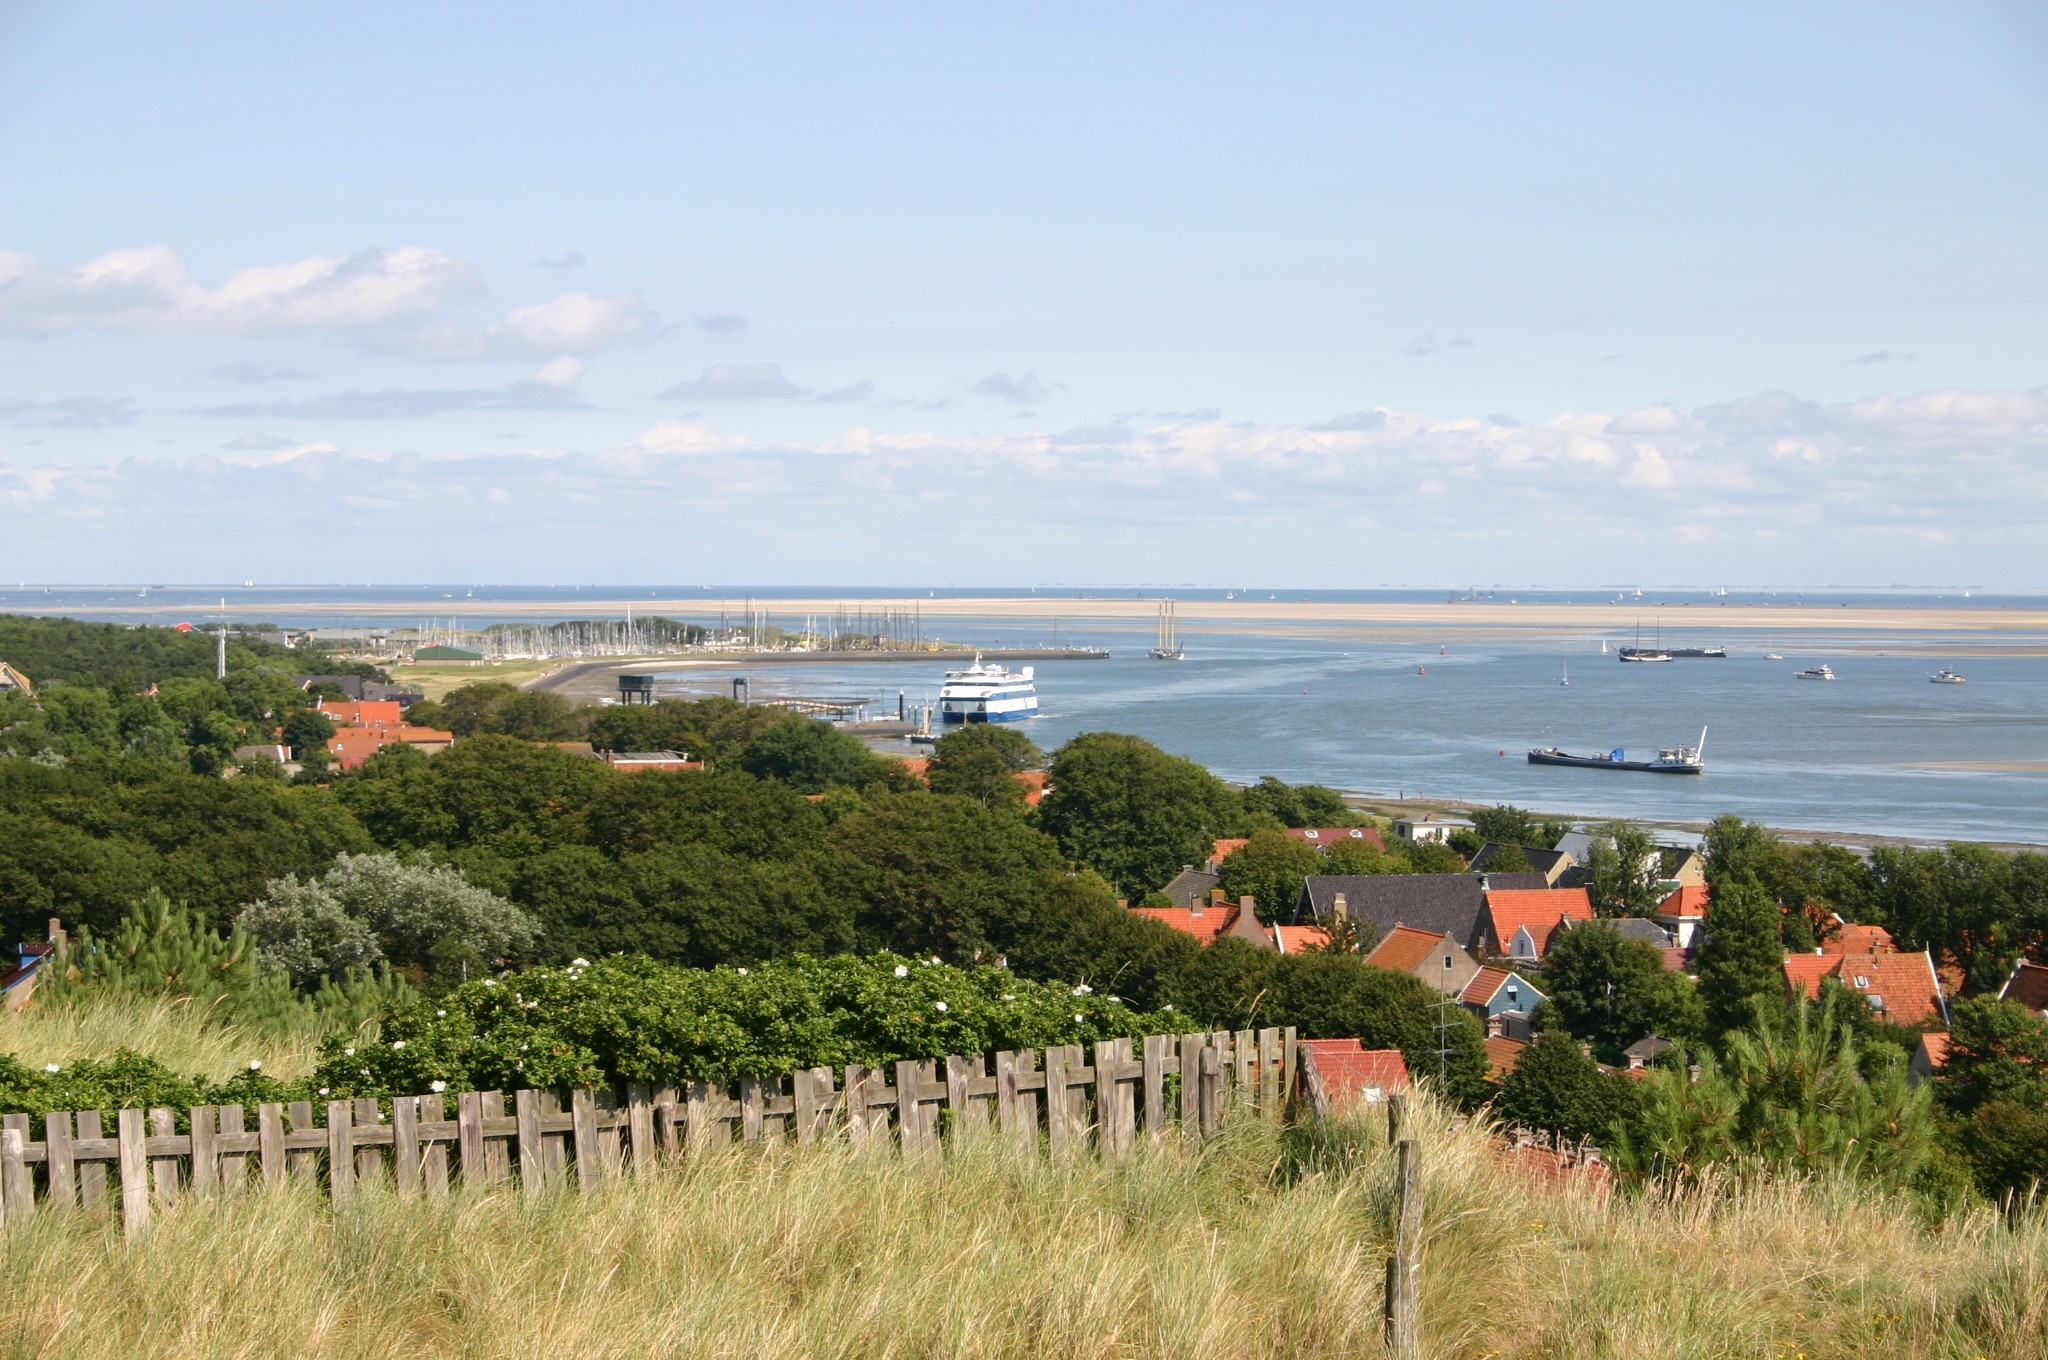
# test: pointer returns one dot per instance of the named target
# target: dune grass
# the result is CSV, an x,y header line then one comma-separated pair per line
x,y
1265,1244
181,1033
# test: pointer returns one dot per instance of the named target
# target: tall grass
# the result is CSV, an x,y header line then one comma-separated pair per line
x,y
183,1034
1264,1244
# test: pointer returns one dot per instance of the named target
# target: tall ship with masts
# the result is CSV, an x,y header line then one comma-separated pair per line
x,y
1169,648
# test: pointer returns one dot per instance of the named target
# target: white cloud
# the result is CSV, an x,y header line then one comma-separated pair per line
x,y
1851,490
148,288
70,413
734,382
569,323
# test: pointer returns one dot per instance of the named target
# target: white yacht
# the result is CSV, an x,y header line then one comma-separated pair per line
x,y
990,694
1820,672
1947,676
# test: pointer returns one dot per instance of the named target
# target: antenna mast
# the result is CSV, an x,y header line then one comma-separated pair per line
x,y
220,656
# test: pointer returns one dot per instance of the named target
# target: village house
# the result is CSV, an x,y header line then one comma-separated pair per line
x,y
1323,837
1443,904
1213,916
1902,988
1930,1055
363,727
1503,1000
2027,985
13,681
1438,960
1683,913
1430,828
1341,1072
1520,922
651,760
1552,864
1192,886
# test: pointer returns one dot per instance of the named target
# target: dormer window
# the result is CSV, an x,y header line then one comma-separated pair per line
x,y
1862,983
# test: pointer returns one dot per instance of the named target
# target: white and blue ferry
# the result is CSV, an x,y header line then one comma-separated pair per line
x,y
988,694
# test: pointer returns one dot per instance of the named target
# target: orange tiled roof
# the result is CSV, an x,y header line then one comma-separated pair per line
x,y
1034,786
1204,925
1905,984
1689,902
1540,909
1323,837
2028,985
1849,938
1483,985
1226,847
917,765
362,712
1349,1069
1300,939
1502,1054
1935,1045
1404,948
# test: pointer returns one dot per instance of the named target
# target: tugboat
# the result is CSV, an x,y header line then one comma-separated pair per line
x,y
1670,759
1947,676
1820,672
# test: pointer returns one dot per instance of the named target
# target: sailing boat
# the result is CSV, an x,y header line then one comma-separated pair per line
x,y
1566,678
1642,653
1169,648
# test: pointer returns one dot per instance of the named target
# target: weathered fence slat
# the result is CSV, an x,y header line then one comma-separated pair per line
x,y
1114,1089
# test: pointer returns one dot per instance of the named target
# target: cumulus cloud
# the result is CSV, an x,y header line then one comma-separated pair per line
x,y
253,371
1852,487
551,388
859,391
148,288
569,323
720,323
734,382
70,413
1023,388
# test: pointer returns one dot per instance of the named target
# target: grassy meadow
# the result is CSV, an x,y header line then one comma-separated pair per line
x,y
177,1031
1268,1243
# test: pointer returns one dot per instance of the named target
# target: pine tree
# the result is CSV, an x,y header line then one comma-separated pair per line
x,y
1742,966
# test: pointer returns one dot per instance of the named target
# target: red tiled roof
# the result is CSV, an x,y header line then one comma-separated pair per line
x,y
1844,937
1540,909
1935,1045
1226,847
1300,939
1690,901
1502,1054
1350,1071
1322,837
1404,948
1675,958
1204,925
1904,984
362,712
2028,985
1034,786
917,765
1483,985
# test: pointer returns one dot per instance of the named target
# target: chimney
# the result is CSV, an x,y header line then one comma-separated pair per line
x,y
1244,904
1195,906
1340,907
60,937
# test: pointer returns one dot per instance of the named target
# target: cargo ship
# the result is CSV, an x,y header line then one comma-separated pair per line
x,y
1670,760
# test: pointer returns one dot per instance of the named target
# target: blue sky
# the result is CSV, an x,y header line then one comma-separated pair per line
x,y
829,294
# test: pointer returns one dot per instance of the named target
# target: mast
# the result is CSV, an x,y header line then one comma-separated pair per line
x,y
220,656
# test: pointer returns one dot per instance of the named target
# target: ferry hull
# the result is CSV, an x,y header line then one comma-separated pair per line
x,y
1608,763
1011,715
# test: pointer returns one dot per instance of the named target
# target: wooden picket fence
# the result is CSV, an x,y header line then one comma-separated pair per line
x,y
1054,1097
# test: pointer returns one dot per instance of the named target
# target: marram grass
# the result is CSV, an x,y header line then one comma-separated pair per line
x,y
1263,1245
179,1032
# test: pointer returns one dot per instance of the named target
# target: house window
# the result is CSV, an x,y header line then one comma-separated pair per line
x,y
1513,994
1862,983
1447,960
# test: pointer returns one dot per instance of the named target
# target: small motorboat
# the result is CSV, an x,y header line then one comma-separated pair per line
x,y
1820,672
1947,676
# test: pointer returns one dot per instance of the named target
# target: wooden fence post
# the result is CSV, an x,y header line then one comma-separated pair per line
x,y
92,1177
1404,1265
57,1161
17,1191
163,1167
134,1174
341,1166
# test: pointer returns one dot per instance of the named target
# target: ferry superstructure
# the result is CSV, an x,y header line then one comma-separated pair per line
x,y
983,693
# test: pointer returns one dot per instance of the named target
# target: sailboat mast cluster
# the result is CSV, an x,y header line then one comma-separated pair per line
x,y
1168,648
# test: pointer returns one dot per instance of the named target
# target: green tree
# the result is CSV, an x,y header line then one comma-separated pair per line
x,y
1362,857
1298,804
1955,901
1131,812
1505,824
1998,1050
1742,965
1737,849
1612,991
1557,1089
809,755
1269,868
1434,857
1339,996
1621,871
982,761
1507,859
307,731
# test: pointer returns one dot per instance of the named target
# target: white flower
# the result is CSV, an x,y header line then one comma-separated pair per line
x,y
348,1053
1167,1007
1009,996
397,1043
935,959
533,1005
490,982
365,1071
1083,990
437,1086
255,1066
579,963
1077,1017
1118,1000
741,971
52,1067
441,1014
941,1005
323,1090
902,970
522,1048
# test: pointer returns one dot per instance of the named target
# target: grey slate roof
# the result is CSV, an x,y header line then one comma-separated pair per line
x,y
1190,886
1629,928
1549,863
1443,904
